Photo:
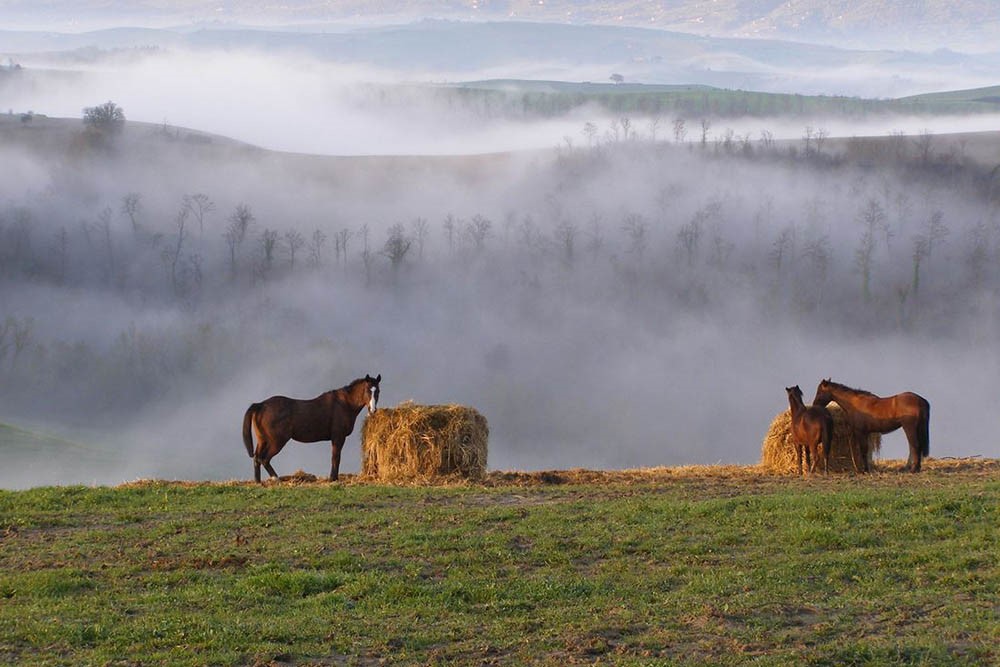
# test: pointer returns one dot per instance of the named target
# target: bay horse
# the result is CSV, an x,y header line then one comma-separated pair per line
x,y
329,416
868,413
812,429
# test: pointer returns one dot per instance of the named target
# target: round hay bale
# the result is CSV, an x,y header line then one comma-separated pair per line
x,y
778,453
424,442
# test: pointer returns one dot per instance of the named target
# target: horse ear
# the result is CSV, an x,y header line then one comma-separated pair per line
x,y
378,379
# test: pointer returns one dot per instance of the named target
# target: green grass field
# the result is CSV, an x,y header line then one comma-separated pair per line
x,y
709,566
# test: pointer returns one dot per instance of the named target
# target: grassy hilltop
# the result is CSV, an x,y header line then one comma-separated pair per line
x,y
664,566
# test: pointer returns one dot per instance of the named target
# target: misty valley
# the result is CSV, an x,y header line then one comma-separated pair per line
x,y
622,300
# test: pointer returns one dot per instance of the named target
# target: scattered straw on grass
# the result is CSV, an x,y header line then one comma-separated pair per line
x,y
778,452
417,443
892,471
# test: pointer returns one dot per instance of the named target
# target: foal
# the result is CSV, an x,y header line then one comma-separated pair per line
x,y
812,428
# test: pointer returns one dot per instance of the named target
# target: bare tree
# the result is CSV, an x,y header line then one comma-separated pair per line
x,y
421,229
689,236
397,246
626,125
316,243
236,233
817,253
268,244
171,255
200,206
565,234
341,239
680,130
131,207
923,143
654,127
705,126
872,218
782,248
478,230
635,228
293,241
590,131
766,139
819,139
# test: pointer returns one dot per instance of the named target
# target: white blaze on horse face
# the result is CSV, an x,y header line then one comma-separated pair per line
x,y
372,400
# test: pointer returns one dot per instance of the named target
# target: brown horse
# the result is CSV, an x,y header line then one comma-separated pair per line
x,y
329,416
812,429
868,413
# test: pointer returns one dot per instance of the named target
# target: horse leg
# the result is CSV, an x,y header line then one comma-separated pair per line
x,y
337,444
864,447
798,455
913,463
258,457
265,452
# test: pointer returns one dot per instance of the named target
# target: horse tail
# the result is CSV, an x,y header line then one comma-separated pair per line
x,y
924,431
248,418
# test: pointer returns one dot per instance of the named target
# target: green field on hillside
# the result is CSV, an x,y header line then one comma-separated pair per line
x,y
708,566
554,98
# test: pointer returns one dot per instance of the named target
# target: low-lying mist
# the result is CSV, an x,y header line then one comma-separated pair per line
x,y
301,103
627,303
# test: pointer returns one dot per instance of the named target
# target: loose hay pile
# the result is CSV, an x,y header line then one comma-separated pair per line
x,y
778,452
424,442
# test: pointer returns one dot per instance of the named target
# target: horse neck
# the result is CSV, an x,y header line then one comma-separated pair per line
x,y
796,404
356,394
846,398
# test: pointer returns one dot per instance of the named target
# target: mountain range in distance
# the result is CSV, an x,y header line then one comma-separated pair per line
x,y
894,24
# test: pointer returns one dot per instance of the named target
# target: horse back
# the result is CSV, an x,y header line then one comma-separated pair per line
x,y
304,420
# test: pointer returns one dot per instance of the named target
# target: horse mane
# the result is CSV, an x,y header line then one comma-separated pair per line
x,y
351,385
844,387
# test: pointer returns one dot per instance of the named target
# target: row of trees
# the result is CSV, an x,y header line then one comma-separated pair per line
x,y
119,246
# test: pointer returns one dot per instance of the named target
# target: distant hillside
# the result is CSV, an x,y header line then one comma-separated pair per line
x,y
882,23
451,50
553,98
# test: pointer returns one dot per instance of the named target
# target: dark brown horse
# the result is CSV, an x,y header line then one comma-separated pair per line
x,y
329,416
812,430
868,413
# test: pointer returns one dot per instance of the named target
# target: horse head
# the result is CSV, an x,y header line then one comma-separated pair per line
x,y
373,391
823,392
794,392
